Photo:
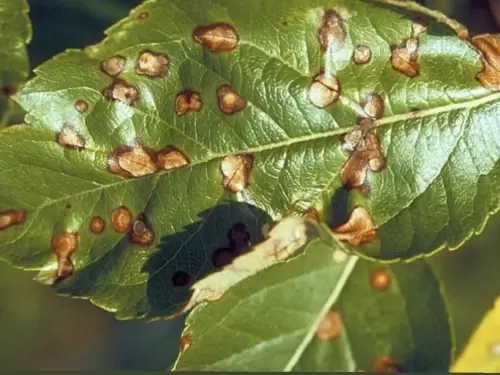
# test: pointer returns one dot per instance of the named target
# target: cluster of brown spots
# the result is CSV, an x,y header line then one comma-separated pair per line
x,y
187,101
385,364
366,154
180,278
122,91
230,101
404,57
380,279
330,327
81,106
236,170
217,37
171,158
489,47
358,230
10,89
69,138
113,66
331,33
152,64
362,55
134,161
141,233
97,225
374,106
121,219
63,245
11,217
324,90
185,343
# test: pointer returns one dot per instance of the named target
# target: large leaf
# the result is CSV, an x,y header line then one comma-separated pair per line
x,y
15,32
277,154
384,318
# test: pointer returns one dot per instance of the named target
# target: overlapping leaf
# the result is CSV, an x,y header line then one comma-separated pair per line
x,y
437,131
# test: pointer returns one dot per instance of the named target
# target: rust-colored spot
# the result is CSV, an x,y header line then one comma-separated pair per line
x,y
134,161
488,46
97,224
185,343
10,89
236,170
63,245
141,233
358,230
143,15
152,64
239,238
229,100
180,278
171,158
312,214
331,33
385,364
121,219
339,256
324,90
11,217
374,106
362,55
380,279
187,101
69,138
223,256
404,58
81,106
122,91
217,37
330,327
113,66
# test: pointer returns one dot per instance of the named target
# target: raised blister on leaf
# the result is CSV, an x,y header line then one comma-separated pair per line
x,y
381,279
404,58
141,233
81,106
113,66
230,101
152,64
324,90
330,327
187,101
362,55
97,225
63,245
11,217
121,219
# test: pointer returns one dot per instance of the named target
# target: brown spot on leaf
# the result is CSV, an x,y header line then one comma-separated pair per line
x,y
324,90
229,100
171,158
113,66
134,161
141,233
11,217
239,238
312,214
180,278
185,343
121,219
187,101
404,58
122,91
236,170
97,224
330,327
143,15
63,245
362,55
380,279
10,89
374,106
331,33
69,138
152,64
218,37
489,47
385,364
223,256
358,230
81,106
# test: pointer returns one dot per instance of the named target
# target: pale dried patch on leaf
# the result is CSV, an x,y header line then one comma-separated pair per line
x,y
488,46
404,58
230,101
217,37
63,245
358,230
97,225
171,158
152,64
374,106
330,327
137,161
69,138
81,106
324,90
113,66
362,55
331,33
380,279
122,91
187,101
236,171
285,238
121,219
11,217
141,233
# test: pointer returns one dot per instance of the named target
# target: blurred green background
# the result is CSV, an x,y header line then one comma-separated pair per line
x,y
41,331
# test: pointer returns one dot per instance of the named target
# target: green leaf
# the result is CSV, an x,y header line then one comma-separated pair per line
x,y
268,321
438,185
15,33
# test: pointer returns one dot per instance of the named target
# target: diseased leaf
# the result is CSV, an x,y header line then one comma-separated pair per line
x,y
15,33
191,117
390,317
